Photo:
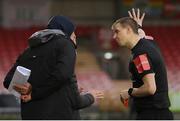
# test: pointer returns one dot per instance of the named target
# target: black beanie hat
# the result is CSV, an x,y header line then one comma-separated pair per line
x,y
62,23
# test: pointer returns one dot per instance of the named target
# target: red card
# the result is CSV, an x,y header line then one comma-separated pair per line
x,y
126,102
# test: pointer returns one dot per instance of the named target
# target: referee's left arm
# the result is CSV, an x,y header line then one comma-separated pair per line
x,y
145,71
148,88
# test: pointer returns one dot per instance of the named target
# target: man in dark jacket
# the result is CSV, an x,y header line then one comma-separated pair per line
x,y
51,91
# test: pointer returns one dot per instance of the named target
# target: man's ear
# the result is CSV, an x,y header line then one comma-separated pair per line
x,y
129,29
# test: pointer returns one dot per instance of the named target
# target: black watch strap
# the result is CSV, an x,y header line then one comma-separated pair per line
x,y
130,91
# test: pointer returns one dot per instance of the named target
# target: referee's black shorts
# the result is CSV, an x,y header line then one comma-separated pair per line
x,y
154,114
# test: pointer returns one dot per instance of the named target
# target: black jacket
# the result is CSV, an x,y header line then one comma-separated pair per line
x,y
51,58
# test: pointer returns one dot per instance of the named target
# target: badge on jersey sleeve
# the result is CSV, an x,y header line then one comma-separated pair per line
x,y
141,62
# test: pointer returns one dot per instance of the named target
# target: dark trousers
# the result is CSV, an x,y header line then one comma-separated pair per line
x,y
154,114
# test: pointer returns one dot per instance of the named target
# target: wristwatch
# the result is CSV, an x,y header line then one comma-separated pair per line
x,y
130,92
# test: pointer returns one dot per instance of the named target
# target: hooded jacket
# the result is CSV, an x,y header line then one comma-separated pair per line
x,y
51,58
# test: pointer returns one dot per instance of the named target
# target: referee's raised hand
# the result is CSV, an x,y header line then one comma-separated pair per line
x,y
135,14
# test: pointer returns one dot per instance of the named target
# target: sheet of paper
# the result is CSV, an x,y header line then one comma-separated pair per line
x,y
20,76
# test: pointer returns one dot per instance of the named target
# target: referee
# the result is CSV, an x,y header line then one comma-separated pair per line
x,y
147,68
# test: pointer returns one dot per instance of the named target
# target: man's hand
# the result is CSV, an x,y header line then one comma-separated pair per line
x,y
124,96
136,16
26,98
97,94
81,89
23,89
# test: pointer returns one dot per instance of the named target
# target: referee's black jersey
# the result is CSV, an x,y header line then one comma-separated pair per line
x,y
146,59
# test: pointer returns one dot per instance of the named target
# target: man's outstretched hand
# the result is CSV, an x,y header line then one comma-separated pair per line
x,y
97,94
